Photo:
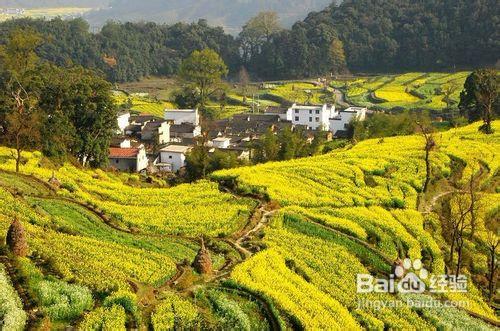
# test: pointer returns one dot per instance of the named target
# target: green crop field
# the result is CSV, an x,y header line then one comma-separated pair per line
x,y
427,91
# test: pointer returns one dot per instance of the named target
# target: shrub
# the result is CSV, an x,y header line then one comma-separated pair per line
x,y
230,311
69,187
394,203
125,299
16,239
62,301
174,312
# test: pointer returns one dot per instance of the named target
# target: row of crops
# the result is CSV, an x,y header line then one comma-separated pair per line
x,y
429,91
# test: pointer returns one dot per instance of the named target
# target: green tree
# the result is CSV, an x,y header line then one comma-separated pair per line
x,y
80,114
202,71
292,144
256,32
198,160
480,98
337,56
19,111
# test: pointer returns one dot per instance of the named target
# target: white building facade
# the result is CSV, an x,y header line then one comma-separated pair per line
x,y
221,142
123,121
314,117
128,159
181,116
341,120
173,158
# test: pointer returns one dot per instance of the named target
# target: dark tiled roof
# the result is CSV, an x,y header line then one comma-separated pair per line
x,y
182,128
116,141
275,110
151,126
143,118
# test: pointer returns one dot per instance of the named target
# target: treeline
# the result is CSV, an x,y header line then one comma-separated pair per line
x,y
385,36
358,35
125,52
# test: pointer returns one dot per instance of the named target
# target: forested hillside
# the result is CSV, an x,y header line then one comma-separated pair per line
x,y
381,36
372,36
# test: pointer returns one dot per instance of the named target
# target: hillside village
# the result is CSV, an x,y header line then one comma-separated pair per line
x,y
150,143
339,174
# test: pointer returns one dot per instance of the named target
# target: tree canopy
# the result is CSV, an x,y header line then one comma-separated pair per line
x,y
202,71
375,36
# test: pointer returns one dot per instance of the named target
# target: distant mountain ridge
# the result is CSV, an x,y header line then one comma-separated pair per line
x,y
230,14
54,3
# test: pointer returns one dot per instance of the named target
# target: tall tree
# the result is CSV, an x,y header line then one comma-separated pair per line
x,y
492,228
337,56
426,130
480,98
256,32
202,71
19,112
244,80
80,114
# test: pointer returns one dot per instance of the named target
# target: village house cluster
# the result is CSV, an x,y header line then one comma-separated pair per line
x,y
150,143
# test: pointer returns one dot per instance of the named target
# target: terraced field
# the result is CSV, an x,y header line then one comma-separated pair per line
x,y
353,212
428,91
141,103
287,239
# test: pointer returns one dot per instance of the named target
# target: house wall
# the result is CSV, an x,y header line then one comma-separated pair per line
x,y
142,160
125,143
164,133
221,144
341,122
313,118
182,116
177,160
123,122
123,164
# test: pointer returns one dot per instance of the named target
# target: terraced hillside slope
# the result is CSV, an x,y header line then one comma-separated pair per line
x,y
426,91
286,240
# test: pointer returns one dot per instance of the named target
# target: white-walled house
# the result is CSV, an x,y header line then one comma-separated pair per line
x,y
128,159
221,142
313,117
158,129
120,141
341,120
173,157
182,116
123,119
